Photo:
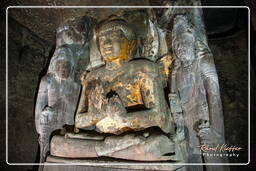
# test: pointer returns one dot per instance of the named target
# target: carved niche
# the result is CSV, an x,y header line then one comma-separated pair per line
x,y
148,93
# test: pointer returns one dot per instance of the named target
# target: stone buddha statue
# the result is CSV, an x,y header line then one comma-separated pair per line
x,y
122,112
115,91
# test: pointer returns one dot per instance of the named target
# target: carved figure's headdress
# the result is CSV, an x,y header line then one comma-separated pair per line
x,y
62,28
181,25
81,25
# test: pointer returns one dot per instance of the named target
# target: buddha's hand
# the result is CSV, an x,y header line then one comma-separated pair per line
x,y
210,136
115,107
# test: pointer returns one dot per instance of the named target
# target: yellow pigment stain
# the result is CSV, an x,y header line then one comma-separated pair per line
x,y
108,125
125,52
147,87
117,85
135,124
135,94
166,62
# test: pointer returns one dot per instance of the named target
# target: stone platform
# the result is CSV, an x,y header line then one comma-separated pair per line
x,y
106,165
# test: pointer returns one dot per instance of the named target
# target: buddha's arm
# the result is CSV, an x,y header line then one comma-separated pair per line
x,y
156,112
86,117
83,105
41,102
81,120
82,111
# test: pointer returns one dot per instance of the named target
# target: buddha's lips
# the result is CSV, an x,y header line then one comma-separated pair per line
x,y
108,50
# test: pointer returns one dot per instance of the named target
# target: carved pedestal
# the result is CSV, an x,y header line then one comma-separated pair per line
x,y
129,147
106,165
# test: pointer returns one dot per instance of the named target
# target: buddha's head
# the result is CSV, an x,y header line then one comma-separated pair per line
x,y
116,41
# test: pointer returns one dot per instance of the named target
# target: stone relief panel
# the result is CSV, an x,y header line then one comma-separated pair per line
x,y
149,92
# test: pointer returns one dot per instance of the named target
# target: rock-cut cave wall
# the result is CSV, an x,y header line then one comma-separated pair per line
x,y
27,58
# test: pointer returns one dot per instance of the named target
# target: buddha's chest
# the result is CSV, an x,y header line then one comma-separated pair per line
x,y
128,88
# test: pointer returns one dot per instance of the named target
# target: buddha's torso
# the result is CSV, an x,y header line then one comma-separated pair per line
x,y
137,86
129,84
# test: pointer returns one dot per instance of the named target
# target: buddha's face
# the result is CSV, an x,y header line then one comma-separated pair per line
x,y
63,69
110,45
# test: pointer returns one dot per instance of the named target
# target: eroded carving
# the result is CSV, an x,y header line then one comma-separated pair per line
x,y
124,95
57,98
143,98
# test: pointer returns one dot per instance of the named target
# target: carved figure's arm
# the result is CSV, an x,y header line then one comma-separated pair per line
x,y
41,103
43,117
211,85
